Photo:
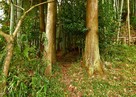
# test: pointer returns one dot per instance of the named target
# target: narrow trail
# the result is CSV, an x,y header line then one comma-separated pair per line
x,y
66,62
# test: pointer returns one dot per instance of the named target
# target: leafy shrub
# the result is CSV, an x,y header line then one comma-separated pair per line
x,y
107,26
26,79
133,21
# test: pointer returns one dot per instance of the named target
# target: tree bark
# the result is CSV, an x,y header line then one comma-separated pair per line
x,y
135,7
42,28
42,17
50,47
12,16
120,15
92,56
128,22
6,67
19,12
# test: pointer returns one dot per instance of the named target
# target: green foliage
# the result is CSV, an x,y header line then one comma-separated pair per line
x,y
26,78
73,16
107,26
39,85
56,88
121,53
133,21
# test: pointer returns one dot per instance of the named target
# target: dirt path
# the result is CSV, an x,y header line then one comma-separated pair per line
x,y
66,62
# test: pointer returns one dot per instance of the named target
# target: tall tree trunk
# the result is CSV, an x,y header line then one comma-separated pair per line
x,y
120,15
114,6
12,18
6,65
19,12
92,56
135,7
42,17
50,47
63,42
42,26
9,49
128,23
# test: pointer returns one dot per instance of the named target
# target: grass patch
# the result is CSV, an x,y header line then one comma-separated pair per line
x,y
56,88
121,53
26,79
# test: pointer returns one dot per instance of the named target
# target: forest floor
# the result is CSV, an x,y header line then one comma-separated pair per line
x,y
73,81
70,79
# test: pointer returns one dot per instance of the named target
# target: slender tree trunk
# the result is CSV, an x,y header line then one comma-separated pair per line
x,y
9,49
58,36
42,17
92,56
42,27
6,67
19,12
59,28
63,43
50,48
135,7
114,6
120,15
12,18
128,22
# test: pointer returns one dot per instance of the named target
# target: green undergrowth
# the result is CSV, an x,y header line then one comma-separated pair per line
x,y
56,88
121,53
118,82
119,79
26,77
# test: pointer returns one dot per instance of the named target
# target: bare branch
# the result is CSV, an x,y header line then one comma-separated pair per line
x,y
49,1
3,34
19,7
23,16
6,36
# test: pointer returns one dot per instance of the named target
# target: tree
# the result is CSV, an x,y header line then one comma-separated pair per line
x,y
12,17
19,12
119,20
92,56
42,26
10,39
128,22
50,47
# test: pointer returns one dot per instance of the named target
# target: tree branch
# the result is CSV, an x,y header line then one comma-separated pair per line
x,y
6,36
3,34
25,13
49,1
19,7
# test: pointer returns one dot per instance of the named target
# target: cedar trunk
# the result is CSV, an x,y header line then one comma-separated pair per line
x,y
92,56
42,27
50,47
